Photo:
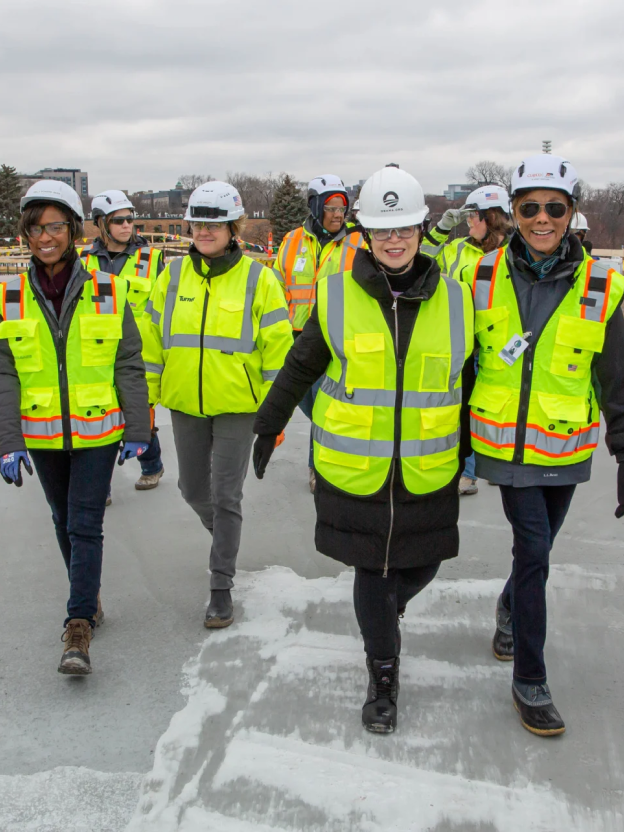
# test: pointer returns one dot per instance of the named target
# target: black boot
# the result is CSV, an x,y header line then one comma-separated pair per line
x,y
379,713
220,612
537,711
502,643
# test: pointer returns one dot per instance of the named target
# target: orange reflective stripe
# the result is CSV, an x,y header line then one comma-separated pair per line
x,y
586,289
474,279
605,305
3,300
138,263
292,249
501,251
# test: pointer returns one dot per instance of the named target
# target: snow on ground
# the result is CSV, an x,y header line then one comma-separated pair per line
x,y
271,737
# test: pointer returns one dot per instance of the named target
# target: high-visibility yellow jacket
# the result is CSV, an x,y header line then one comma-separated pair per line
x,y
302,261
457,258
354,412
542,409
140,269
215,344
72,395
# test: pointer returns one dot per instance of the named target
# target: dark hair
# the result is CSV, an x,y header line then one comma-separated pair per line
x,y
497,224
32,216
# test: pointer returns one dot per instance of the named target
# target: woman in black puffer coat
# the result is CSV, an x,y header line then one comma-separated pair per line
x,y
394,538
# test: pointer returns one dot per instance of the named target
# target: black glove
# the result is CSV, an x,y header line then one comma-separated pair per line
x,y
619,512
262,452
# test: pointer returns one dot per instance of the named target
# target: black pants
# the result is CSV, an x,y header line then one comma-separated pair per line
x,y
75,484
536,514
377,602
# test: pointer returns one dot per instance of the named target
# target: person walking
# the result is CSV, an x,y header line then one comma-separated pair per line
x,y
120,250
551,340
216,334
72,387
323,245
486,212
391,341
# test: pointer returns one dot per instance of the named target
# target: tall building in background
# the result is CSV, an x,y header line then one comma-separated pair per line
x,y
76,178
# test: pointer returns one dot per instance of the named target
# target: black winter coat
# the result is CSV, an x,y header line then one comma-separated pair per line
x,y
356,530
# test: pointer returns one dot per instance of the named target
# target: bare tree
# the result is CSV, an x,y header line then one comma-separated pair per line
x,y
191,181
487,172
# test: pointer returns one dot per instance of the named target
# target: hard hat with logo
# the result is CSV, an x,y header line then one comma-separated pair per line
x,y
391,198
322,188
579,222
488,196
109,201
218,201
546,171
50,190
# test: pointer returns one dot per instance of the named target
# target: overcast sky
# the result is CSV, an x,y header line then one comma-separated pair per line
x,y
137,92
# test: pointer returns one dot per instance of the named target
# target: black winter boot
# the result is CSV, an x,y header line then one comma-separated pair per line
x,y
536,708
220,612
502,643
379,713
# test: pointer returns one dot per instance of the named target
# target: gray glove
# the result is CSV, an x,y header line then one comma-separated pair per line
x,y
452,217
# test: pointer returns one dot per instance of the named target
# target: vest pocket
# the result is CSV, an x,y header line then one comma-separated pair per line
x,y
492,331
365,361
435,373
33,398
576,342
347,422
92,395
439,426
24,343
139,289
99,336
558,433
230,318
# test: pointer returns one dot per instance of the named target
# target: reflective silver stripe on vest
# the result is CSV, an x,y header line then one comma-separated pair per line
x,y
346,249
496,435
458,329
482,292
154,368
142,262
13,312
360,395
153,313
383,448
595,313
106,304
244,344
97,427
554,446
86,250
269,375
279,276
274,317
44,429
460,248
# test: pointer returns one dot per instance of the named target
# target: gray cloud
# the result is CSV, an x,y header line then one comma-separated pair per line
x,y
137,92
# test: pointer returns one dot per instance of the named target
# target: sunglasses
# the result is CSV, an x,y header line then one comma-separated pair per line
x,y
122,220
382,234
54,229
556,210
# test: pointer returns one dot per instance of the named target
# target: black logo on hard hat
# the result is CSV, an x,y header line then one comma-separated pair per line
x,y
391,199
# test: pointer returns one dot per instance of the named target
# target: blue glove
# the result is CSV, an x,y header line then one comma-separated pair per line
x,y
10,467
130,450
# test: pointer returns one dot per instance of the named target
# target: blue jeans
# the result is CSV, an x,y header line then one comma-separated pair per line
x,y
306,405
536,514
151,462
469,468
75,484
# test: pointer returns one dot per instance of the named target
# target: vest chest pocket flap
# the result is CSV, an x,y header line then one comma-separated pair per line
x,y
438,423
99,336
23,338
492,331
33,398
365,361
138,291
93,395
230,318
351,426
486,399
576,342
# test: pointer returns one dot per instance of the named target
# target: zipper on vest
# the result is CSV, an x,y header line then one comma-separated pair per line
x,y
250,385
201,353
385,572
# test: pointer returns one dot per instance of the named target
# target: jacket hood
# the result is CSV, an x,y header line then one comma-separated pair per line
x,y
367,274
99,248
316,229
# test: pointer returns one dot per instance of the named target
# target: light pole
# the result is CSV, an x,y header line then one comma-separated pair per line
x,y
546,146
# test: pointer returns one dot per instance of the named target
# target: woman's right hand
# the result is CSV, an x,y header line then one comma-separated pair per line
x,y
262,453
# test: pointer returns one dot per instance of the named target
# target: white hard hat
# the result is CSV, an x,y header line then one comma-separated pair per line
x,y
50,190
579,222
391,198
109,201
214,201
356,205
326,184
546,171
488,196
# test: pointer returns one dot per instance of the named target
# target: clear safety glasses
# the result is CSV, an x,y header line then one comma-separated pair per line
x,y
382,234
209,226
335,209
54,229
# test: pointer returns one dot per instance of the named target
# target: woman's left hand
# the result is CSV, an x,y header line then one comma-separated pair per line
x,y
262,453
130,450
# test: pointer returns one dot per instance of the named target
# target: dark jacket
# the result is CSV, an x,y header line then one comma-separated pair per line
x,y
353,529
130,380
538,300
113,262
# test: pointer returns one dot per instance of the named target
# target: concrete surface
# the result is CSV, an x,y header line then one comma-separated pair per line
x,y
271,705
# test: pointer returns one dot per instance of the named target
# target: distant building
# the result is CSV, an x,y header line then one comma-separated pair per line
x,y
75,178
454,192
172,203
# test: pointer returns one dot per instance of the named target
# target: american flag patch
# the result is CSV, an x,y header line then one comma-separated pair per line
x,y
491,196
572,368
237,200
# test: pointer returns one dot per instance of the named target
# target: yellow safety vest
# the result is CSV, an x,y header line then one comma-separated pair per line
x,y
542,409
214,346
354,412
77,402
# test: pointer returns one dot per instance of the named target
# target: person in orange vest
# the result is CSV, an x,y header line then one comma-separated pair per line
x,y
323,245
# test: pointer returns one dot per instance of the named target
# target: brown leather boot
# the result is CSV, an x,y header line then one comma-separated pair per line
x,y
75,659
98,618
148,481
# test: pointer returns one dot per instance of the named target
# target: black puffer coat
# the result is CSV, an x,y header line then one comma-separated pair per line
x,y
355,530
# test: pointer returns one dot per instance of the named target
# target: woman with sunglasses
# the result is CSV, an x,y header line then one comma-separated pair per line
x,y
72,387
392,341
120,250
216,334
551,357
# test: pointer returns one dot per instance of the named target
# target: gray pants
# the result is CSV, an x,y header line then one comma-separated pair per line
x,y
213,457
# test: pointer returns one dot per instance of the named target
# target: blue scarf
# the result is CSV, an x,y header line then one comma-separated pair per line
x,y
545,266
